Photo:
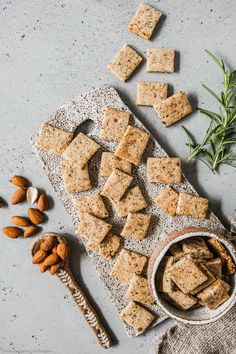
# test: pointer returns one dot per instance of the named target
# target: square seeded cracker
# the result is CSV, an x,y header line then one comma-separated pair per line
x,y
75,177
137,316
209,281
224,256
215,294
81,149
109,161
191,205
215,267
53,139
160,60
128,263
108,247
125,62
144,21
132,145
173,108
139,290
151,93
92,204
136,225
176,250
114,124
92,228
187,275
116,185
133,201
179,299
167,201
197,248
164,169
163,281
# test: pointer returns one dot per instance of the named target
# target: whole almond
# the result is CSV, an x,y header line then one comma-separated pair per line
x,y
63,251
19,181
39,257
43,203
20,221
12,231
54,250
35,216
51,260
48,244
54,268
42,267
32,194
30,231
18,196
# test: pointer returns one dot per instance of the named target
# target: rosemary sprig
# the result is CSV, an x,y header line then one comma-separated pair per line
x,y
220,137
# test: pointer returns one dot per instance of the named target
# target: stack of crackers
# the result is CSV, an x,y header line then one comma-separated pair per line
x,y
121,194
159,60
195,273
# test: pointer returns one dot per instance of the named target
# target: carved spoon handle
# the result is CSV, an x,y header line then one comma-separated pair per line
x,y
87,310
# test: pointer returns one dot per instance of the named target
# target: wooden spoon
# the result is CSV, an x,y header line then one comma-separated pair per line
x,y
67,279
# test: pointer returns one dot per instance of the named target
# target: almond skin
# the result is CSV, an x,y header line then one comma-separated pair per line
x,y
18,196
39,257
35,216
51,260
30,231
20,221
48,244
54,268
43,203
19,181
63,251
12,231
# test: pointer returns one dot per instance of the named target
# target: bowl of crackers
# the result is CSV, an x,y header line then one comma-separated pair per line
x,y
192,275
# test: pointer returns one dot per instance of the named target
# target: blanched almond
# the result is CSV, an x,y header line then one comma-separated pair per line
x,y
32,195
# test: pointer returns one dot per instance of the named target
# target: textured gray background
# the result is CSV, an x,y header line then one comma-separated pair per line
x,y
50,52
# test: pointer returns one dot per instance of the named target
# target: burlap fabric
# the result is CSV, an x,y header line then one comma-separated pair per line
x,y
216,338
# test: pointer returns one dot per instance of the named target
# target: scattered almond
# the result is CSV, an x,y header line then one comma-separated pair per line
x,y
19,181
32,195
36,216
12,231
19,196
30,231
51,260
43,203
39,257
48,244
54,268
63,251
20,221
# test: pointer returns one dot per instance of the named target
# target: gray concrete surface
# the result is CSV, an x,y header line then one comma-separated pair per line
x,y
50,52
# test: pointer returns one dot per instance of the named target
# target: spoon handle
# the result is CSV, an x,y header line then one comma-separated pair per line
x,y
85,307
